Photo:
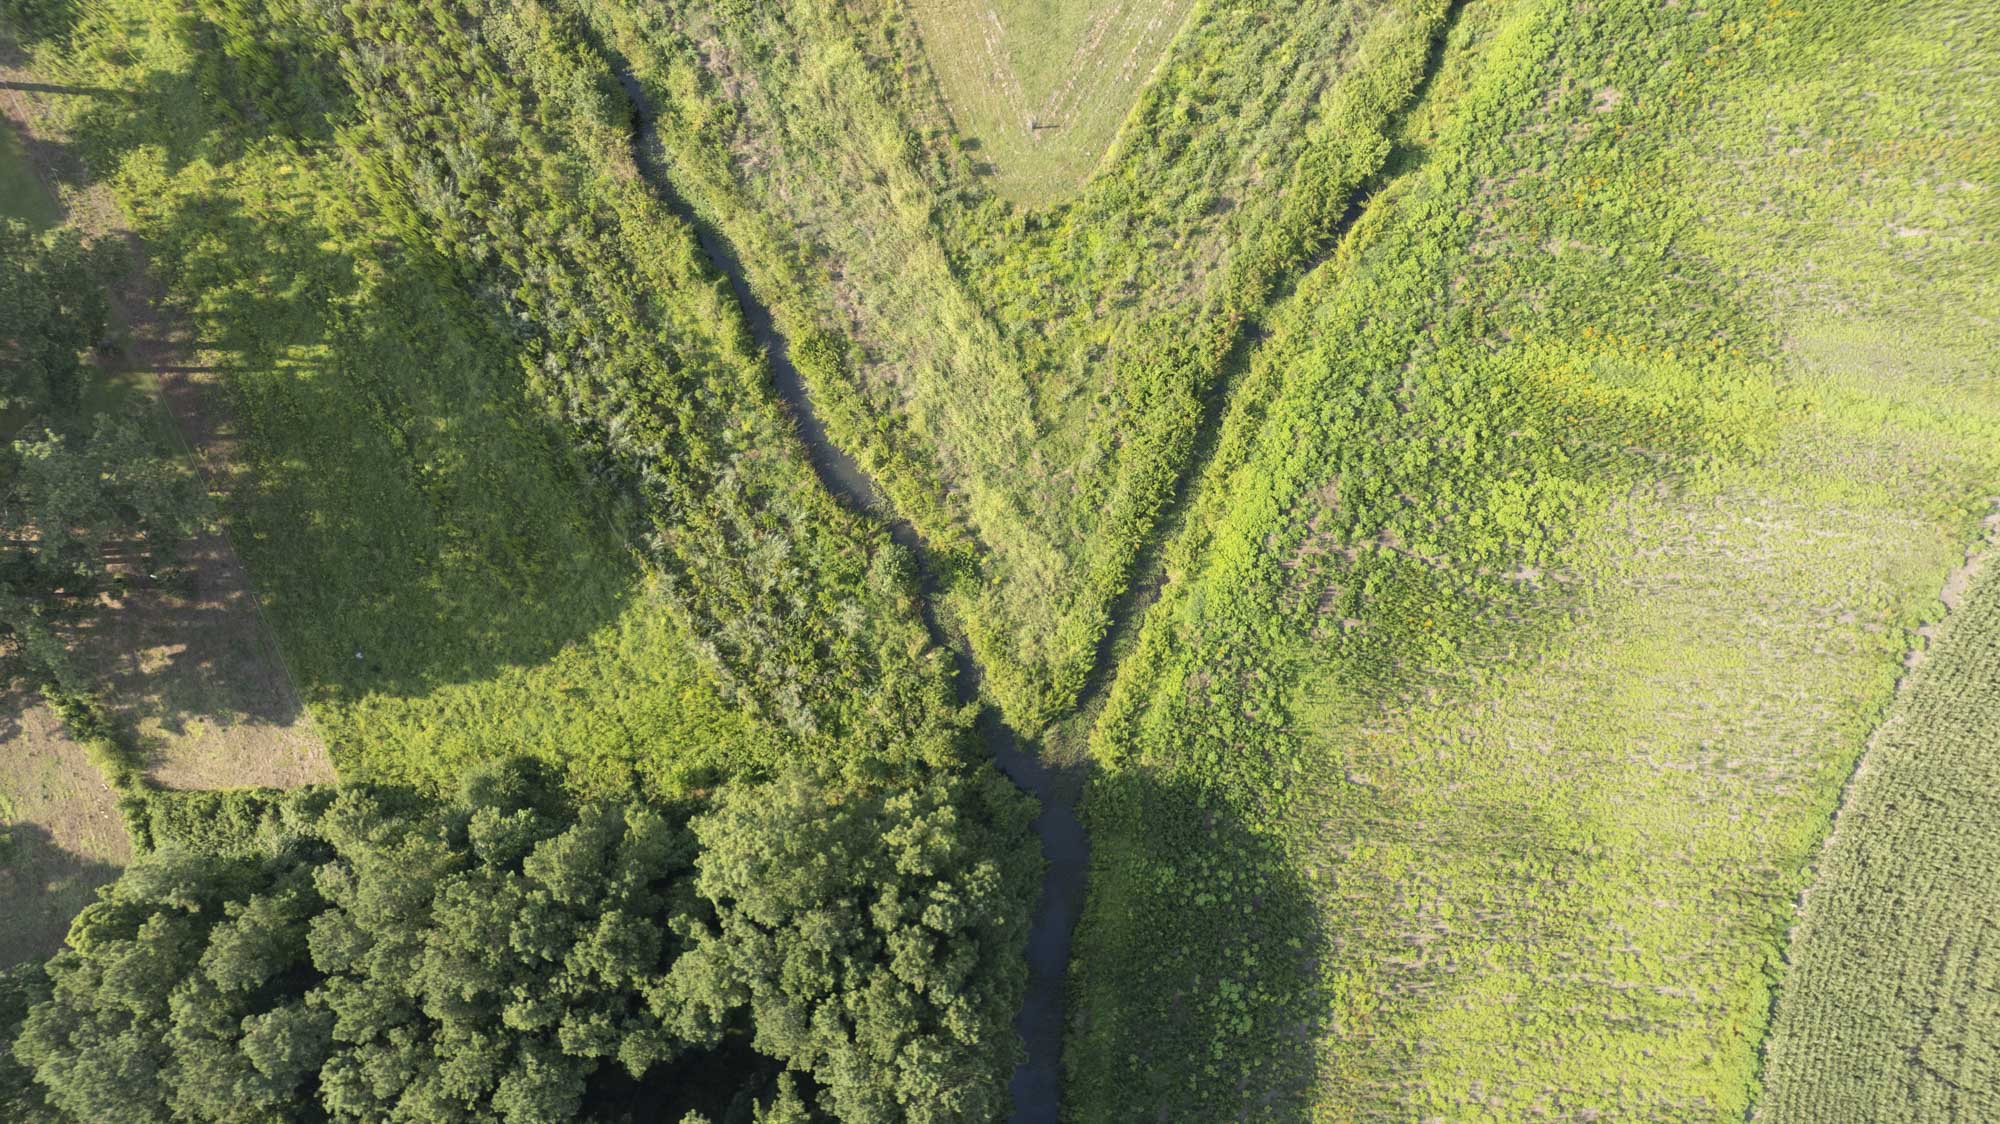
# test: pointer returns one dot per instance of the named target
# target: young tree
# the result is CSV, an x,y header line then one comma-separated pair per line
x,y
21,1100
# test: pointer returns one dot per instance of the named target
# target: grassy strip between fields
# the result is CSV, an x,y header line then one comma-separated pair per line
x,y
1027,386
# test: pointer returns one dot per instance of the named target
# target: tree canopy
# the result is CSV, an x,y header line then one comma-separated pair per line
x,y
517,955
875,941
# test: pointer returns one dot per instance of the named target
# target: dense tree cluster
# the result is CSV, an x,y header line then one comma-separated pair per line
x,y
519,956
841,925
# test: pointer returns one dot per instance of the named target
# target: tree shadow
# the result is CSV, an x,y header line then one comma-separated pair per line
x,y
1197,991
411,517
58,88
44,886
724,1084
14,702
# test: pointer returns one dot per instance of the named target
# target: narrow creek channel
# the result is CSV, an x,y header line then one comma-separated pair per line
x,y
1036,1086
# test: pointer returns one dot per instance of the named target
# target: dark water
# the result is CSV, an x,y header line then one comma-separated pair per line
x,y
1036,1085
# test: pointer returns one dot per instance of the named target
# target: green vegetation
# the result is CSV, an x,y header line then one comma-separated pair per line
x,y
225,823
21,194
1887,1011
517,956
512,480
492,497
876,939
1025,386
1466,477
1482,676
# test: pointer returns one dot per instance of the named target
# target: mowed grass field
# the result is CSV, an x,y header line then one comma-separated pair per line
x,y
1561,550
1890,1008
1038,88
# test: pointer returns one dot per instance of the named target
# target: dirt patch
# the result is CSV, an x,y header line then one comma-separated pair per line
x,y
63,835
190,668
187,658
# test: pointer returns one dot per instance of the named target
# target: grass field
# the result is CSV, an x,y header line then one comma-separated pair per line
x,y
1026,385
458,533
1039,89
1562,545
1888,1009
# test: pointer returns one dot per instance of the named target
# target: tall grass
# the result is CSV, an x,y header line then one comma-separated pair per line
x,y
1547,577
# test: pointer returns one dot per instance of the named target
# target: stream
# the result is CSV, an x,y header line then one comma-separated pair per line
x,y
1036,1086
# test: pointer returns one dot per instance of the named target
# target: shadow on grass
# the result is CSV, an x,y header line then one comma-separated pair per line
x,y
44,887
411,517
1196,990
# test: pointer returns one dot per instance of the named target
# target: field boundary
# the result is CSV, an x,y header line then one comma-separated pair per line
x,y
1952,593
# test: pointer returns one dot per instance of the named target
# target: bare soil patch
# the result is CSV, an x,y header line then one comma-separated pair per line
x,y
184,654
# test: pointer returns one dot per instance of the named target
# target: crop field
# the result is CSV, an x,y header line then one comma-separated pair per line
x,y
1888,1007
1038,90
1461,512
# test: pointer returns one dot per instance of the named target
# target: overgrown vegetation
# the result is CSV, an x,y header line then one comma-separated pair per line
x,y
1026,386
516,955
665,594
1488,636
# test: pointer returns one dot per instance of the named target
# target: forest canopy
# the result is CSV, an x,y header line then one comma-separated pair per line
x,y
361,953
